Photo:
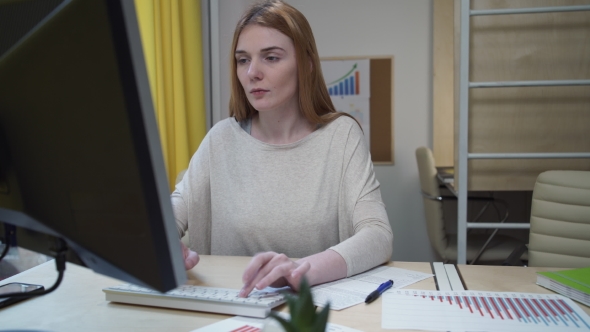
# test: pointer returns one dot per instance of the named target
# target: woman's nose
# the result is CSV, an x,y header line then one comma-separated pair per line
x,y
254,72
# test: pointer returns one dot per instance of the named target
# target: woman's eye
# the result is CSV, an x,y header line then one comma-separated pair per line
x,y
272,58
242,61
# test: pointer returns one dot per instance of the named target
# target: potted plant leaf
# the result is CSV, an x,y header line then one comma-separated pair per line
x,y
304,316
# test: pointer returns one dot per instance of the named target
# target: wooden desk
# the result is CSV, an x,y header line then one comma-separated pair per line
x,y
79,303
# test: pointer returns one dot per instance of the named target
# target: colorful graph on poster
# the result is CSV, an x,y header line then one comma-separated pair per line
x,y
481,311
347,85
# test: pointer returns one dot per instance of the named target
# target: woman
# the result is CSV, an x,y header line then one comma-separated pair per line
x,y
286,175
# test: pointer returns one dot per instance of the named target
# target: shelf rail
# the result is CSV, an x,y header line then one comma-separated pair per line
x,y
537,10
510,84
464,86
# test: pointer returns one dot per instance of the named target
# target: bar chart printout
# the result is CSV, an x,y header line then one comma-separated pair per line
x,y
481,311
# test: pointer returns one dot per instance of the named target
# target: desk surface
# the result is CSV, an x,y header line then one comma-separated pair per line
x,y
79,304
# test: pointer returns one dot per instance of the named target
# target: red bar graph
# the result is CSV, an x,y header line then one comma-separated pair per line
x,y
247,328
474,310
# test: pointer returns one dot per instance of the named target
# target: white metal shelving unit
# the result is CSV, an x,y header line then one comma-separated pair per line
x,y
464,87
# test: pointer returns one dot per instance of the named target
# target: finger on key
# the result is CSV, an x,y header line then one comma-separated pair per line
x,y
253,270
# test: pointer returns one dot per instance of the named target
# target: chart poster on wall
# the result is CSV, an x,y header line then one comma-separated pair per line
x,y
348,83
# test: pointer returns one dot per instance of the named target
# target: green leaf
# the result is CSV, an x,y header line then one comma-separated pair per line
x,y
284,323
322,319
307,311
304,316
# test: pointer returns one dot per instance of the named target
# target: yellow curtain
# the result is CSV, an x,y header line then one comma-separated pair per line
x,y
171,36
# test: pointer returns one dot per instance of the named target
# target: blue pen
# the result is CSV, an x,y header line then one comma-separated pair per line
x,y
376,293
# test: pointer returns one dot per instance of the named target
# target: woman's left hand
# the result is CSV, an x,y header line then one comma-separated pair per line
x,y
191,258
272,269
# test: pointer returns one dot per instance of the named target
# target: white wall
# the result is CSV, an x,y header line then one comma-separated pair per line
x,y
401,28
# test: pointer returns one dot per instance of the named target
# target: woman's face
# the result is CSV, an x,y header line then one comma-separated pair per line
x,y
267,69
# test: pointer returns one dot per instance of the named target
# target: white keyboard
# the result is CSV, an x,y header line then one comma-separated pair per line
x,y
199,298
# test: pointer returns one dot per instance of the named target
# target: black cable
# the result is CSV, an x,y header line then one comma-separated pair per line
x,y
6,248
483,248
7,244
60,265
5,251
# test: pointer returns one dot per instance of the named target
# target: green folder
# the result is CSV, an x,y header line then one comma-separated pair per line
x,y
574,284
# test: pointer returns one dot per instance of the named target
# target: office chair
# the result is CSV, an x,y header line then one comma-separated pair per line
x,y
560,220
480,247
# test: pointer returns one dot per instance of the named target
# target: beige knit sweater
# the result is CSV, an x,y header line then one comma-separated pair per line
x,y
241,196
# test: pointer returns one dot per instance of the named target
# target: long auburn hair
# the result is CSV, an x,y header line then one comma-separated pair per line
x,y
314,100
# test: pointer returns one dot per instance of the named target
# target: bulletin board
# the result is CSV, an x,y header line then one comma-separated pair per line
x,y
381,107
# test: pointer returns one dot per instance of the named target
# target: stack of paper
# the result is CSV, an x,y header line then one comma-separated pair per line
x,y
249,324
481,311
574,284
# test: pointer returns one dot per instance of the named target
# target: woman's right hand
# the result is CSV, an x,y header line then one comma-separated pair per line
x,y
274,270
191,258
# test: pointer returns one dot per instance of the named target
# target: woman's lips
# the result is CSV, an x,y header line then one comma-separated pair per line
x,y
258,92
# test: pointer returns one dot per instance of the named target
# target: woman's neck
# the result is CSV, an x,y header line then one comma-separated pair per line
x,y
280,128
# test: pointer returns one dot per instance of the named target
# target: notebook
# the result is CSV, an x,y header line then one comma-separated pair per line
x,y
574,284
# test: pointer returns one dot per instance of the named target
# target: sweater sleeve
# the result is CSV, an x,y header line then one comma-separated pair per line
x,y
365,233
191,201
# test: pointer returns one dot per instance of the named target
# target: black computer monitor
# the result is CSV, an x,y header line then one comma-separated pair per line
x,y
80,154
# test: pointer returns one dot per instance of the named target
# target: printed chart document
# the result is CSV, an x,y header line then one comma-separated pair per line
x,y
247,324
481,311
350,291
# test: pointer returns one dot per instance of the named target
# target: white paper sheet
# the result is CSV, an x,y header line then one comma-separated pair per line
x,y
246,324
350,291
481,311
